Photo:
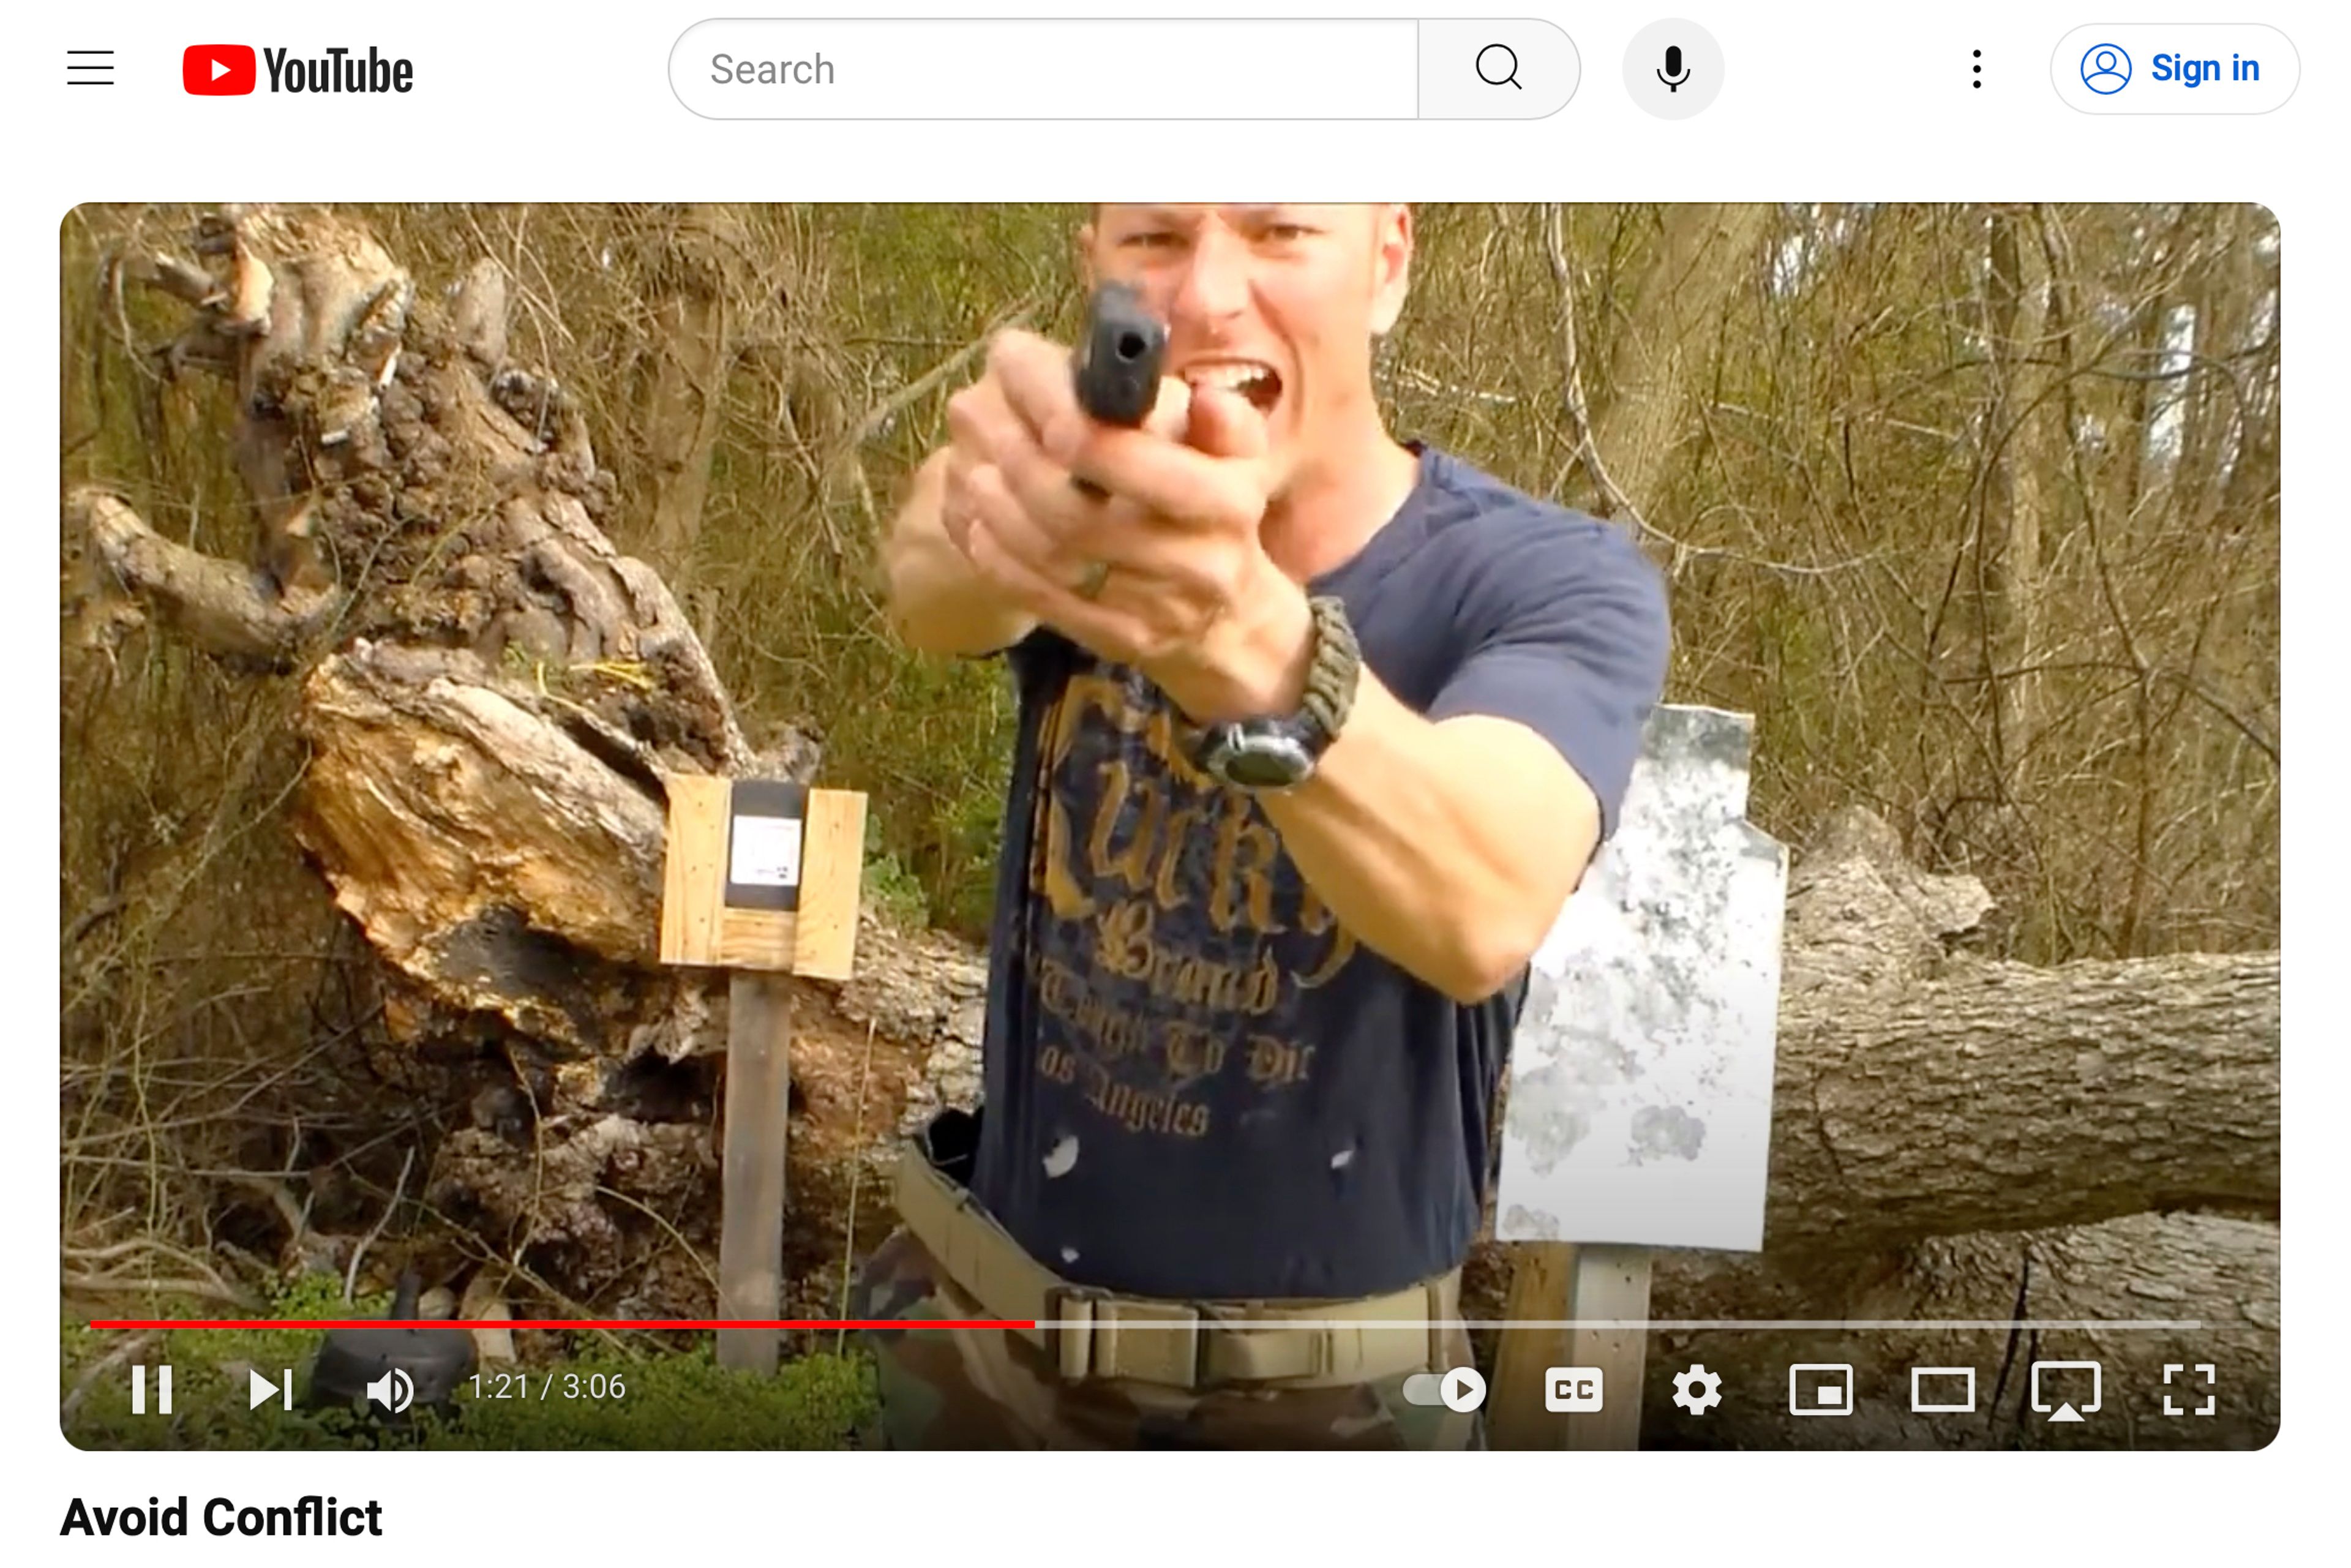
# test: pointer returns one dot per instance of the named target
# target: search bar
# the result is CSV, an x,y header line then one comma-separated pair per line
x,y
1105,68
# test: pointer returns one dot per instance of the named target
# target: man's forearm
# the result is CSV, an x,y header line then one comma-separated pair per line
x,y
937,602
1449,849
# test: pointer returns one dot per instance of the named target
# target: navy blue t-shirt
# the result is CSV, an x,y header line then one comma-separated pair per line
x,y
1196,1083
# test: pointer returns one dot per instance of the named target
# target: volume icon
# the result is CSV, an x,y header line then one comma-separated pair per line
x,y
395,1390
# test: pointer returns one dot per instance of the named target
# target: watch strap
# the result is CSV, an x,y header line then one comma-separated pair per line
x,y
1332,673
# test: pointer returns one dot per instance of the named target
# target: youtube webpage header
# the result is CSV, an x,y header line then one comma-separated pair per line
x,y
1935,103
671,900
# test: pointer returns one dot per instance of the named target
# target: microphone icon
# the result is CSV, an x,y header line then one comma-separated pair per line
x,y
1673,76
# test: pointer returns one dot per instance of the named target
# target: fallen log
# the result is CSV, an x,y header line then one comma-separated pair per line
x,y
1997,1096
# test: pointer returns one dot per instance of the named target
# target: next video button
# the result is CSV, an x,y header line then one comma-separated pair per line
x,y
2195,68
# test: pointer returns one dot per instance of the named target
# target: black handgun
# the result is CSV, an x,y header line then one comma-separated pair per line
x,y
1118,356
1117,361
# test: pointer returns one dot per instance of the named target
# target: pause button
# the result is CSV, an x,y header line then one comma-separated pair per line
x,y
163,1391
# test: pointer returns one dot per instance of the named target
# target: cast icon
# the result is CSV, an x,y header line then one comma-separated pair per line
x,y
2062,1409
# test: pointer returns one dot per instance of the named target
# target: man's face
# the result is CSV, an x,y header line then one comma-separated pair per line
x,y
1279,302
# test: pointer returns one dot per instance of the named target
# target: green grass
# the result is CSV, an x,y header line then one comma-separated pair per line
x,y
673,1400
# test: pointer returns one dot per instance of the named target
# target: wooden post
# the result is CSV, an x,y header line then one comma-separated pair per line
x,y
1538,1292
760,878
1609,1284
751,1173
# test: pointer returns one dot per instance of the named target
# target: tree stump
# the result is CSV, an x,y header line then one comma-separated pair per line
x,y
490,692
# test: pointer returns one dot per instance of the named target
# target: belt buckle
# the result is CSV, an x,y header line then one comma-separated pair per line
x,y
1246,1334
1162,1343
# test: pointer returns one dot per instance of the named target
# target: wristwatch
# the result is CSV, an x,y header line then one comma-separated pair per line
x,y
1281,752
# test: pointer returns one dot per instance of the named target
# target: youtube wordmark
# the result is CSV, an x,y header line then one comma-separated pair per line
x,y
337,71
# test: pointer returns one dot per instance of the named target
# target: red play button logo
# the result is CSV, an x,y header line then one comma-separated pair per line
x,y
218,70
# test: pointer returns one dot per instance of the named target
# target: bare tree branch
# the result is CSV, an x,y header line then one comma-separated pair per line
x,y
224,608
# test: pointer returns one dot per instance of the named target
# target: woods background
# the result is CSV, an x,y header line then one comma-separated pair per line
x,y
1976,508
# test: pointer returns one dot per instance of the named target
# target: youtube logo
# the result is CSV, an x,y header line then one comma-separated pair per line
x,y
218,70
231,70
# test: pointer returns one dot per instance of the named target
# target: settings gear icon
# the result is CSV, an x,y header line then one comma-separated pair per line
x,y
1697,1390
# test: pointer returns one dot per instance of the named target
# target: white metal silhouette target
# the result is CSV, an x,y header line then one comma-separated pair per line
x,y
1640,1104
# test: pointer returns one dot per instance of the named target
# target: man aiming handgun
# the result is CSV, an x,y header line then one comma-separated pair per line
x,y
1318,731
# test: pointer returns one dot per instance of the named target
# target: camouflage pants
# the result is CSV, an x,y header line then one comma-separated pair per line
x,y
990,1388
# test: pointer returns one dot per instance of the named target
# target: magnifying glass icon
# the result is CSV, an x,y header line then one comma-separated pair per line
x,y
1497,64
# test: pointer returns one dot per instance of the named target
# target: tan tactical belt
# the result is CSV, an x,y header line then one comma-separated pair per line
x,y
1180,1344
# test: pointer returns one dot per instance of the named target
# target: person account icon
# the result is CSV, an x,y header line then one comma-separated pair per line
x,y
2106,69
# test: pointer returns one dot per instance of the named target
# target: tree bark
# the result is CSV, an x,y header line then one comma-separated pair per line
x,y
2008,545
2000,1096
689,258
219,605
1702,252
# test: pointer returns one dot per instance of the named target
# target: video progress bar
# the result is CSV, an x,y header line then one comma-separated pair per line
x,y
1679,1325
665,1325
1773,1325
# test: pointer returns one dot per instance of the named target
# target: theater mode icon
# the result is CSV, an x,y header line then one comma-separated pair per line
x,y
1942,1390
219,71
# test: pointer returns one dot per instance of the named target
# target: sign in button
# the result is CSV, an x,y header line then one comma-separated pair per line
x,y
2196,67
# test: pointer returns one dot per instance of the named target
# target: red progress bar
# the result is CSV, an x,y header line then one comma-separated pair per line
x,y
666,1324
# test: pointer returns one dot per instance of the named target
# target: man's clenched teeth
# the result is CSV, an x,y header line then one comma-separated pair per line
x,y
1261,383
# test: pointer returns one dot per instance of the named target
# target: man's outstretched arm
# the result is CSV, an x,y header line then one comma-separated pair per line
x,y
1449,843
938,604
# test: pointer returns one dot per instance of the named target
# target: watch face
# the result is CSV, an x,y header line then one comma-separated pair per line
x,y
1256,760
